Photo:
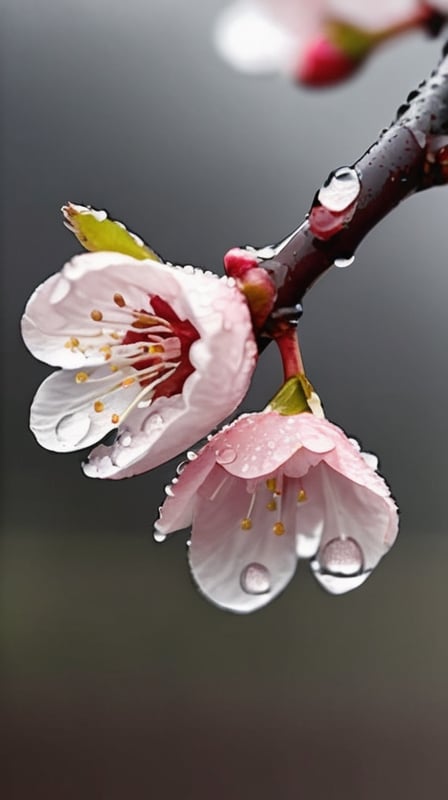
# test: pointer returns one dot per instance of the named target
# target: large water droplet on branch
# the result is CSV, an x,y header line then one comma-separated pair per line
x,y
340,190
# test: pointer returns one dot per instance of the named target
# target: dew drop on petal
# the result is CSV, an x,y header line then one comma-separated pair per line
x,y
72,428
153,423
180,467
342,557
159,537
169,490
340,190
255,579
225,455
344,262
125,440
191,455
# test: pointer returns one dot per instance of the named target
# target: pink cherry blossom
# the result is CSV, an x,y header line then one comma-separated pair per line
x,y
264,36
270,489
155,353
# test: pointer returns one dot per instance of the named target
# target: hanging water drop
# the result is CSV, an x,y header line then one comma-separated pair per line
x,y
342,557
159,537
340,189
255,579
344,262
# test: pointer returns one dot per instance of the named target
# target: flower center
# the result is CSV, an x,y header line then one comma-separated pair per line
x,y
146,349
173,339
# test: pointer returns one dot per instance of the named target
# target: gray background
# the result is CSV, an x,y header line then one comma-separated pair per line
x,y
120,680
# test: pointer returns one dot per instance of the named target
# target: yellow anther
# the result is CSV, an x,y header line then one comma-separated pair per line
x,y
96,315
246,524
271,506
271,484
144,321
115,335
156,348
113,368
81,377
302,496
127,382
278,529
98,406
119,300
115,419
72,342
107,351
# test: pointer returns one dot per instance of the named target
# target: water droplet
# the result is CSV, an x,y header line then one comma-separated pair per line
x,y
255,579
344,262
191,455
169,490
144,403
72,428
125,440
340,190
225,454
342,557
180,467
159,537
153,423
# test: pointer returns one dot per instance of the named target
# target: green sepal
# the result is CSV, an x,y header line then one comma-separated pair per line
x,y
354,42
96,231
293,396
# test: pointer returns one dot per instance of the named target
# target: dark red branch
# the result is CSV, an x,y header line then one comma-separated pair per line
x,y
410,156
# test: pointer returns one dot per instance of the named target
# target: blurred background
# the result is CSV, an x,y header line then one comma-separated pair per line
x,y
119,680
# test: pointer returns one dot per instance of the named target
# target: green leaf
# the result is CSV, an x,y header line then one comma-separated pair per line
x,y
97,232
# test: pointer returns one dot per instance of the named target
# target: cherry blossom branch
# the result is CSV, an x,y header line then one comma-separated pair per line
x,y
409,156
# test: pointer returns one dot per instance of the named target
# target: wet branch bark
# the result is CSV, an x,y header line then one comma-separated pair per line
x,y
409,156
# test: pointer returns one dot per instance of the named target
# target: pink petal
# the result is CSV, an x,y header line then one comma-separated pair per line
x,y
357,526
177,510
262,443
240,570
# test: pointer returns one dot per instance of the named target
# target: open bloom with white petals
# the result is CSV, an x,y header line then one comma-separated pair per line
x,y
264,36
269,489
158,354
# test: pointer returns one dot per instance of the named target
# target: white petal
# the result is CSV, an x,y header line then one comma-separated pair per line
x,y
63,416
240,570
251,40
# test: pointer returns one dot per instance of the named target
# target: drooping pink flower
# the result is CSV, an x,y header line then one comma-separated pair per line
x,y
295,36
158,354
269,489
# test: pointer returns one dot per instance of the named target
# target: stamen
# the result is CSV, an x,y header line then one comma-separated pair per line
x,y
278,528
128,382
272,505
246,524
271,484
81,377
119,300
72,342
302,496
115,419
106,349
98,406
96,315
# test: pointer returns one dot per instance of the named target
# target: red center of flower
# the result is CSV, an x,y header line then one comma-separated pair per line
x,y
174,328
